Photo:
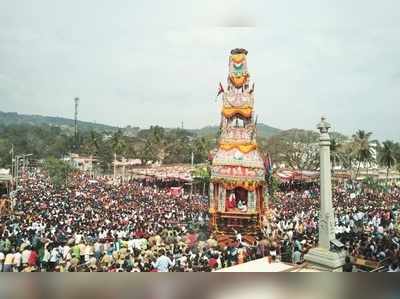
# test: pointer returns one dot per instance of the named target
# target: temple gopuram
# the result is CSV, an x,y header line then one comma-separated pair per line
x,y
237,167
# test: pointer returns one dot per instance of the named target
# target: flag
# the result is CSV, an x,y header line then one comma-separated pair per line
x,y
268,165
252,89
220,90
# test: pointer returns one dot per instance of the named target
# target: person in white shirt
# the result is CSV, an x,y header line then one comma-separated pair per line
x,y
242,207
45,259
78,238
54,256
163,263
98,249
66,250
380,230
17,261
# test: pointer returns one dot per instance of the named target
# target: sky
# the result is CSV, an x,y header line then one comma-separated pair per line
x,y
143,63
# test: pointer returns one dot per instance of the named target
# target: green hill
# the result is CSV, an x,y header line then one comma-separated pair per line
x,y
13,118
266,131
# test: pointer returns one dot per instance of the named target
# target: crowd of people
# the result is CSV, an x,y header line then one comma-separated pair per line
x,y
366,221
98,226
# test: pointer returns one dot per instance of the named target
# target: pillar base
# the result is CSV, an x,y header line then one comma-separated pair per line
x,y
326,260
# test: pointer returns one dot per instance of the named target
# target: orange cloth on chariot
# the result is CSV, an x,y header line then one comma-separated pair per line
x,y
239,80
243,111
244,148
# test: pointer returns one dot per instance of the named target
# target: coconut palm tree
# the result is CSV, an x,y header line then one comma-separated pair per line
x,y
362,148
387,156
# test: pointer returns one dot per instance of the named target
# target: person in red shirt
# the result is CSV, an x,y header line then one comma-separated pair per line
x,y
191,239
213,263
33,258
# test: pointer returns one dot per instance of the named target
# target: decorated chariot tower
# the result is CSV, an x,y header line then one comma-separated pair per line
x,y
237,168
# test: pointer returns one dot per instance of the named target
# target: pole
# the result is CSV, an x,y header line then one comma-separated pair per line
x,y
12,166
76,100
323,255
326,221
16,171
115,164
23,165
91,167
123,170
191,184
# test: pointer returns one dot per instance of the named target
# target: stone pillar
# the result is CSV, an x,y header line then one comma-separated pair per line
x,y
326,217
323,256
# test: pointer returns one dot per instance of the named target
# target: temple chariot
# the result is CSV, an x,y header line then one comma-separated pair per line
x,y
238,168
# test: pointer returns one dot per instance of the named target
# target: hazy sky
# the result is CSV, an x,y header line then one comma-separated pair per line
x,y
159,62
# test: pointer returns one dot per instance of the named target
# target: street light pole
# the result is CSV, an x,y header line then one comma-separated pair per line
x,y
12,161
17,158
16,171
191,184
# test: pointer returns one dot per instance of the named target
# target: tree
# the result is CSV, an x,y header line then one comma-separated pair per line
x,y
178,148
118,143
105,156
372,183
347,156
201,147
387,156
273,183
362,148
297,149
58,171
397,154
202,174
5,157
93,143
155,144
337,149
336,154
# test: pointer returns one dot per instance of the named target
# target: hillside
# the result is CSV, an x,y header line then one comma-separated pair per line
x,y
13,118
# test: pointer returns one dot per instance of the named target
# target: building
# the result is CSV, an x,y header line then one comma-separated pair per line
x,y
237,167
5,182
81,162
